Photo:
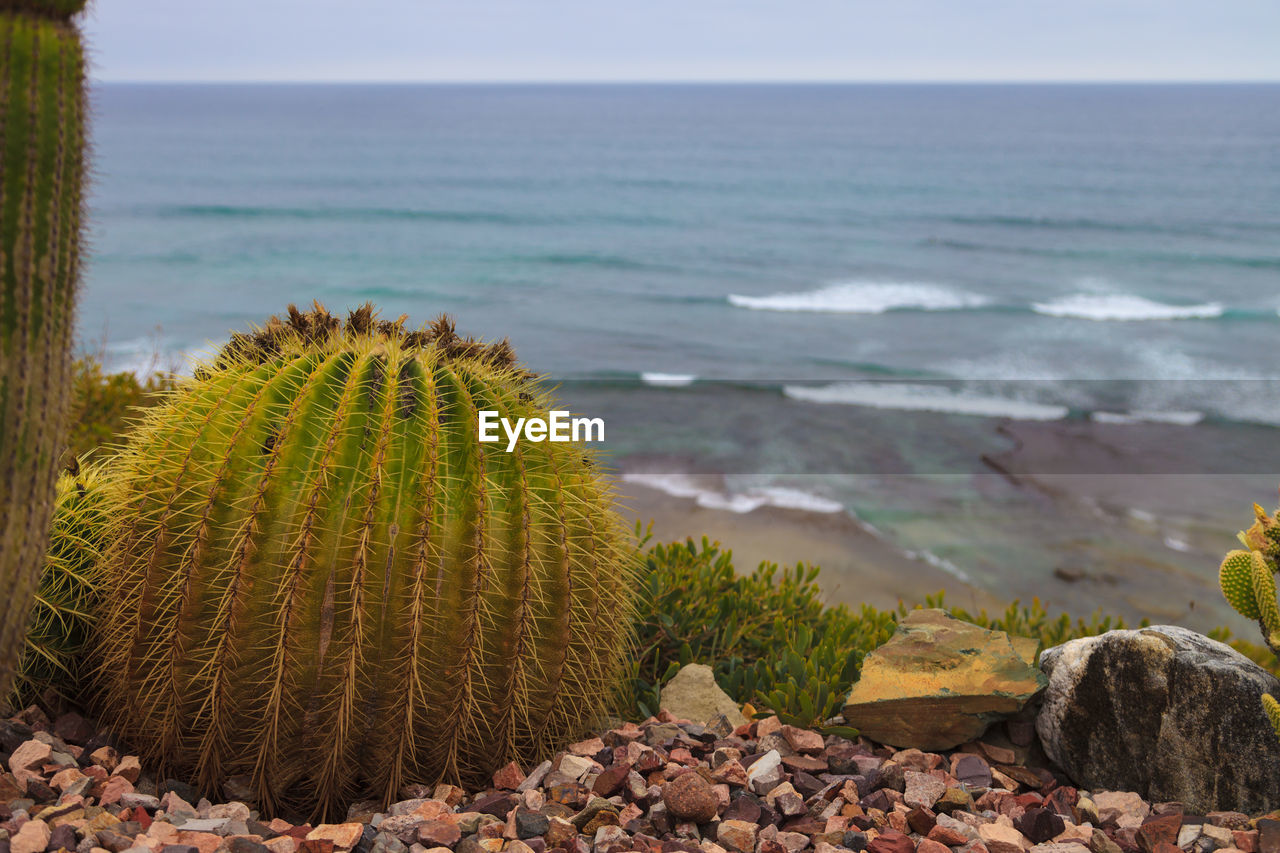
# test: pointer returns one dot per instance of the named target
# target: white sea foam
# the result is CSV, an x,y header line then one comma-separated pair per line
x,y
684,486
924,398
1176,544
1123,306
941,563
145,357
669,380
1140,416
864,297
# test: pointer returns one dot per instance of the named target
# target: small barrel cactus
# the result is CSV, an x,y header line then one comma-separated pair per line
x,y
1248,580
42,114
321,579
62,620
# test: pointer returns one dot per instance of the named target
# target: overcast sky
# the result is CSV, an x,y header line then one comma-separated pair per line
x,y
537,40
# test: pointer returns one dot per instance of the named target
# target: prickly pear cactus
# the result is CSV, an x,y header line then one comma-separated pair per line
x,y
61,623
42,146
1248,580
323,580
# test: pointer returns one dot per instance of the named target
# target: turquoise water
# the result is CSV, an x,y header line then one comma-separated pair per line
x,y
770,232
765,283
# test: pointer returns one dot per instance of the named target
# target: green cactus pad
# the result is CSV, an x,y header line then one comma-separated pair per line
x,y
1272,707
1264,594
1236,579
324,581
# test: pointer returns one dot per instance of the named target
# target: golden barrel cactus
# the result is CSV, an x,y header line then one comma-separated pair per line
x,y
322,580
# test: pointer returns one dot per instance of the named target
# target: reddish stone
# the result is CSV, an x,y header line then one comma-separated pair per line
x,y
1063,800
946,835
611,780
509,777
806,763
891,841
1246,840
921,821
116,787
343,836
207,842
439,833
680,755
691,797
736,835
802,740
1155,830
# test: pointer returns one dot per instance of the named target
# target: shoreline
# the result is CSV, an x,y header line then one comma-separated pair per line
x,y
857,566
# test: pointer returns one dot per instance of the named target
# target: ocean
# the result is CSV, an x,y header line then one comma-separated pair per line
x,y
832,298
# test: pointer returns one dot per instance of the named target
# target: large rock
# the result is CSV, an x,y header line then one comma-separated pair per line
x,y
694,695
1165,712
939,682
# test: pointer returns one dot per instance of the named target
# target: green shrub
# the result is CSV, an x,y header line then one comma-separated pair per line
x,y
104,404
770,640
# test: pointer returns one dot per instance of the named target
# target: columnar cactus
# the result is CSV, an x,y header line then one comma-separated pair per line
x,y
1248,581
42,113
324,582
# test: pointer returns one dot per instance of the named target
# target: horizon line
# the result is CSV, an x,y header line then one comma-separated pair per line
x,y
701,82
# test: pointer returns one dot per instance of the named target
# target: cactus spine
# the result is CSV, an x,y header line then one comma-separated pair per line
x,y
61,622
323,581
1248,580
42,145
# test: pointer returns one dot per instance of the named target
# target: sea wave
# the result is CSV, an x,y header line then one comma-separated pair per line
x,y
1125,307
668,380
864,297
685,486
912,397
942,563
230,211
1141,416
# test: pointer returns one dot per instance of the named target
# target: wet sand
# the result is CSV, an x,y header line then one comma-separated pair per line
x,y
857,566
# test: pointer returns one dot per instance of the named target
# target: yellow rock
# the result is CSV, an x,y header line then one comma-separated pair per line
x,y
940,682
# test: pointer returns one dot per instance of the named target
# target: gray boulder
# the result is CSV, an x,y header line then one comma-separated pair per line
x,y
1165,712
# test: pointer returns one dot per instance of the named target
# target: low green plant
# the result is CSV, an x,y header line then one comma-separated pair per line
x,y
771,641
104,404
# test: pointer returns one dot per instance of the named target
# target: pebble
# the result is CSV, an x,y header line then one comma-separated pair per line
x,y
922,790
691,797
665,786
